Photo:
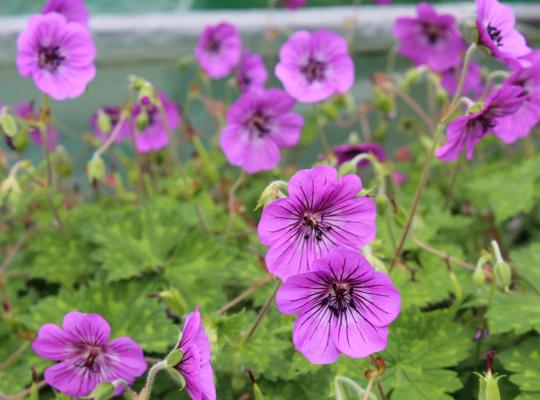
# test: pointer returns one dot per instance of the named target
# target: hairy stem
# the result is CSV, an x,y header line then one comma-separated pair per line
x,y
442,255
246,293
147,390
264,311
462,78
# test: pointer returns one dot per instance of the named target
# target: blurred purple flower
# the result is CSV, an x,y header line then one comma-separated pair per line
x,y
113,112
155,135
468,130
495,23
26,111
196,366
57,54
219,49
259,123
346,152
251,73
321,213
72,10
399,177
430,39
293,4
474,81
344,307
314,66
85,355
519,124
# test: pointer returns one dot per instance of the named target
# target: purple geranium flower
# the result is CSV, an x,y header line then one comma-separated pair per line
x,y
344,307
293,4
26,111
473,84
314,66
72,10
519,124
155,136
495,23
321,213
57,54
219,49
430,39
259,123
346,152
113,112
195,366
251,73
85,354
467,131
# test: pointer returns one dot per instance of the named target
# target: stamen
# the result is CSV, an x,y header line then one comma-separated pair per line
x,y
49,58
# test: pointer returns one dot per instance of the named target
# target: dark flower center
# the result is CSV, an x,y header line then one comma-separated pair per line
x,y
213,45
49,58
433,32
259,124
90,354
314,70
339,299
495,34
314,226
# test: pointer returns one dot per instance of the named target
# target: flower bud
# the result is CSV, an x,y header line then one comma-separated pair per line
x,y
503,275
142,120
479,277
383,101
441,95
104,391
175,302
488,386
96,169
104,122
8,124
413,77
257,394
274,191
454,283
174,358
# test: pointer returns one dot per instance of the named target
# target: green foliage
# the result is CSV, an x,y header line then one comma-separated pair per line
x,y
524,363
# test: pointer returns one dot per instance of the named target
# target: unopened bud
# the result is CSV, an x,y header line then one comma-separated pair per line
x,y
274,191
383,101
503,275
174,358
456,287
441,95
8,124
104,391
10,191
257,392
96,169
479,277
175,302
142,120
413,77
488,386
104,122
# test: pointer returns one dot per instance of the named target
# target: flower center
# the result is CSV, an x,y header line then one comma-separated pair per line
x,y
432,32
340,298
90,354
314,226
495,34
49,58
259,124
314,70
213,45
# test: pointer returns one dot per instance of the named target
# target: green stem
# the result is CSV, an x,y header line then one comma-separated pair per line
x,y
147,390
264,311
322,135
462,78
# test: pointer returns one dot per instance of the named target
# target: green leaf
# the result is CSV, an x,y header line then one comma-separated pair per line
x,y
524,363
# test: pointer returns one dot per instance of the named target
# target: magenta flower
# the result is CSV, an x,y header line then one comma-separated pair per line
x,y
321,213
72,10
251,73
430,39
467,131
155,135
219,49
85,355
314,66
113,112
57,54
344,307
346,152
399,177
26,111
474,81
495,23
293,4
519,124
195,366
259,123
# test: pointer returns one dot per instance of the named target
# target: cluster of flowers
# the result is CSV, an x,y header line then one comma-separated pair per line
x,y
509,110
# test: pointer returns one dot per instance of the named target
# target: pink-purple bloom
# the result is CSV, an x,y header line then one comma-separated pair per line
x,y
85,356
293,4
155,135
314,66
259,123
465,132
344,307
520,123
72,10
473,84
430,39
113,113
26,111
322,212
57,54
219,49
251,73
495,23
196,366
346,152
